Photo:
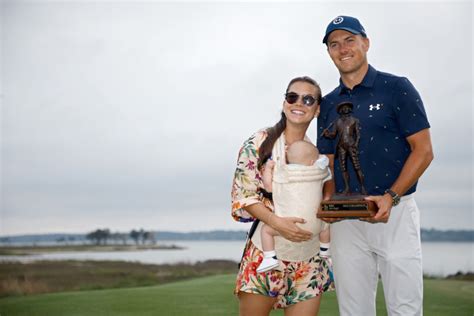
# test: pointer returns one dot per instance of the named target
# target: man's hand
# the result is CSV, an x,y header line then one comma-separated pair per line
x,y
384,204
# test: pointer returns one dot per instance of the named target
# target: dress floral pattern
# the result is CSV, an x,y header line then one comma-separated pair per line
x,y
292,282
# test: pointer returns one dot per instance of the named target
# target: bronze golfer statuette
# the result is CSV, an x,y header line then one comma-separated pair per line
x,y
347,204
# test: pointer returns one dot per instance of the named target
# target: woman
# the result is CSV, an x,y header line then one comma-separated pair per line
x,y
296,287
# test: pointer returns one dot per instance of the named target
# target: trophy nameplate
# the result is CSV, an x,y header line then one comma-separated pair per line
x,y
346,206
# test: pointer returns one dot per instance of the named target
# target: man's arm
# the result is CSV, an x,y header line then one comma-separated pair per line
x,y
419,159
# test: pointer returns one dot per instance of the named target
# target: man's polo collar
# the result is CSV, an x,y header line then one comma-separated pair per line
x,y
368,80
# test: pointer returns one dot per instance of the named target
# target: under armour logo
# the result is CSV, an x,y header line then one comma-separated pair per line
x,y
377,107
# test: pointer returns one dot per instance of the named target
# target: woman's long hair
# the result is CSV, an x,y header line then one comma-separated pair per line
x,y
274,132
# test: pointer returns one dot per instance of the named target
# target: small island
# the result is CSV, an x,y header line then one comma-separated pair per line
x,y
40,249
100,240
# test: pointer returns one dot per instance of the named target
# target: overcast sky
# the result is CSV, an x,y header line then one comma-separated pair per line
x,y
129,115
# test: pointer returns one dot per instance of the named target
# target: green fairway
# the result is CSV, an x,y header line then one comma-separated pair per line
x,y
208,296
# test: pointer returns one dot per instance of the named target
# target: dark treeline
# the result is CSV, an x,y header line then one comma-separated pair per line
x,y
104,236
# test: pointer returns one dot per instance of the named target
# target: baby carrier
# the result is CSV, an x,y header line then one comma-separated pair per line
x,y
297,192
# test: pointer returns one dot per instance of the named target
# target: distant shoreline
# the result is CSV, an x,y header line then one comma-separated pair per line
x,y
427,235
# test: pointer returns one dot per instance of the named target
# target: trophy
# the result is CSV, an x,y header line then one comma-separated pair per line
x,y
347,204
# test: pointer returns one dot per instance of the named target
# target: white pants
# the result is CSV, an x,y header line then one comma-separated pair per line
x,y
362,250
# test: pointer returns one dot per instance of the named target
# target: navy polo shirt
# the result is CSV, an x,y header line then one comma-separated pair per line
x,y
389,110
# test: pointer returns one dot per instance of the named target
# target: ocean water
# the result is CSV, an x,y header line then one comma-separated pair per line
x,y
439,258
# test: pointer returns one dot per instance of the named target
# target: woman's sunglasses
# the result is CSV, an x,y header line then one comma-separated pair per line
x,y
292,97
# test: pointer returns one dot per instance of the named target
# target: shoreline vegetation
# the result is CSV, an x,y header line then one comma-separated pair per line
x,y
39,277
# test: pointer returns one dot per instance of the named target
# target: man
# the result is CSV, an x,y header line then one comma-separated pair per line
x,y
395,149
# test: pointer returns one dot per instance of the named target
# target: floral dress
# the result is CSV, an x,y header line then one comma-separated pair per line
x,y
290,283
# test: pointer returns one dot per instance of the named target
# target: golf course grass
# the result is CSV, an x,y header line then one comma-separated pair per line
x,y
210,295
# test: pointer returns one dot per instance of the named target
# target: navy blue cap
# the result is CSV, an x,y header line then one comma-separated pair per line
x,y
346,23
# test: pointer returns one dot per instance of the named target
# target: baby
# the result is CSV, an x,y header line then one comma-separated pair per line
x,y
299,153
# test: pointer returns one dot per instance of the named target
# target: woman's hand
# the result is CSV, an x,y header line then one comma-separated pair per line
x,y
287,228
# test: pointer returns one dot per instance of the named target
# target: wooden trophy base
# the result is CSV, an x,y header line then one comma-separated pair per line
x,y
347,206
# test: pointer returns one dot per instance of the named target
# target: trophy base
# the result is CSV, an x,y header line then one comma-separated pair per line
x,y
347,206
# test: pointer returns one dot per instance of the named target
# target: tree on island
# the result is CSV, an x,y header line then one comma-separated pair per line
x,y
148,236
119,237
99,236
135,235
142,236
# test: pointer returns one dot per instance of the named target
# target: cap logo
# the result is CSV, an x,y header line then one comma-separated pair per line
x,y
338,20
